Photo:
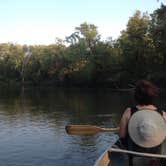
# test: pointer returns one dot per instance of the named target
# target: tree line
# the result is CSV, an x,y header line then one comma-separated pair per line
x,y
84,59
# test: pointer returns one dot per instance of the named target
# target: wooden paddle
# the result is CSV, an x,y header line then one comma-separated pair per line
x,y
87,129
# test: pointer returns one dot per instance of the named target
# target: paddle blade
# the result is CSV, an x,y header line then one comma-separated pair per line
x,y
81,129
87,129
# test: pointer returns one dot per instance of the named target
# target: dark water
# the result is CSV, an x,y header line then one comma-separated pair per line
x,y
32,125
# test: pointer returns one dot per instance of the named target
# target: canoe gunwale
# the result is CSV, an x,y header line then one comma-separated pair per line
x,y
101,158
118,150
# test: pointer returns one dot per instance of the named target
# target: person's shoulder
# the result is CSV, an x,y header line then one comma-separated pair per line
x,y
128,109
162,112
127,112
164,115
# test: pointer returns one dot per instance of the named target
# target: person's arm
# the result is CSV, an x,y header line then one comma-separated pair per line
x,y
164,115
123,123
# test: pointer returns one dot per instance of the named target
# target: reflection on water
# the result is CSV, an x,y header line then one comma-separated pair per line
x,y
33,121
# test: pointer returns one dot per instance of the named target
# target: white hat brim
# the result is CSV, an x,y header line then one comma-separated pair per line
x,y
154,117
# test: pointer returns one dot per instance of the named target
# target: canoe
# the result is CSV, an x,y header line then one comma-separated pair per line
x,y
119,157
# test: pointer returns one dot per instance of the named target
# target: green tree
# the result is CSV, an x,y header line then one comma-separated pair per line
x,y
135,42
90,34
158,30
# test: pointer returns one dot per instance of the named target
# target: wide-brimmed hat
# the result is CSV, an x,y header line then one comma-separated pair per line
x,y
147,128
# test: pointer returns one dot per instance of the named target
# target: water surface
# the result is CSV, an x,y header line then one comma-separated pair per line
x,y
33,124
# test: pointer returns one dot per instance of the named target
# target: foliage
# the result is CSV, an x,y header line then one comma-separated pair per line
x,y
139,53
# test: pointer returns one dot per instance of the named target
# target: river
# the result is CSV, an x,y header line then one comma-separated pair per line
x,y
33,124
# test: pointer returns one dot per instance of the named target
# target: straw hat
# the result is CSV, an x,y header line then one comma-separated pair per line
x,y
147,128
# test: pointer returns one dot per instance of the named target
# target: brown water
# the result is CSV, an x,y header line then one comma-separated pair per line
x,y
33,124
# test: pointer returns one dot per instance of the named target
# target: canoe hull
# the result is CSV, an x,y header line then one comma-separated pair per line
x,y
109,158
119,157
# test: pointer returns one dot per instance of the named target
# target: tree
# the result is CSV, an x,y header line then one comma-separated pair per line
x,y
158,30
90,34
134,42
73,38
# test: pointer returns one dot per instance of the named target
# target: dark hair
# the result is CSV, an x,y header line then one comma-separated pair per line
x,y
145,92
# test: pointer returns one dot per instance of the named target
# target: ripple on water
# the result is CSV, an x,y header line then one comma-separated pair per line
x,y
33,128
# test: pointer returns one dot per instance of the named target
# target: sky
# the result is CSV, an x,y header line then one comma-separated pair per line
x,y
42,21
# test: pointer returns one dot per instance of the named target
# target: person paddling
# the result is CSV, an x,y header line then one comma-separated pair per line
x,y
143,126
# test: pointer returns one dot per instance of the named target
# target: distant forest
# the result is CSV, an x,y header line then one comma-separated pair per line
x,y
83,59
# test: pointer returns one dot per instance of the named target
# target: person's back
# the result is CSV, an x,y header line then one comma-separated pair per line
x,y
145,94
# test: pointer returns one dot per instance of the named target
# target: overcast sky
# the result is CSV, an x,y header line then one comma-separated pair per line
x,y
41,21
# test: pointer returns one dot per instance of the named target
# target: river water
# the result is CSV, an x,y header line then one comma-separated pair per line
x,y
33,120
